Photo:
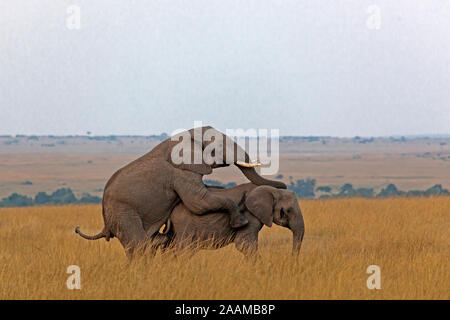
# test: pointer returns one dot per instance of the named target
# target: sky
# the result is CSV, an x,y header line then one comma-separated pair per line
x,y
328,68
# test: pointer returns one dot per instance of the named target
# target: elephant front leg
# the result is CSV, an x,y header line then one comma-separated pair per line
x,y
199,200
247,243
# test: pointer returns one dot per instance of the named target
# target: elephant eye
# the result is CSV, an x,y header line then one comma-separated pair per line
x,y
281,213
289,210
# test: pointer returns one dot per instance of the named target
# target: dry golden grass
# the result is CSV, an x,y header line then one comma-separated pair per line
x,y
407,238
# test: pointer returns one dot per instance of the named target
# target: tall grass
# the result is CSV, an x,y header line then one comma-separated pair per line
x,y
407,237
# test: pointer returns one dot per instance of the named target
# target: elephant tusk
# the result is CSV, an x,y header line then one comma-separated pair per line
x,y
248,165
165,227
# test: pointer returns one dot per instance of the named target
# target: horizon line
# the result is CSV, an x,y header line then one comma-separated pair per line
x,y
434,135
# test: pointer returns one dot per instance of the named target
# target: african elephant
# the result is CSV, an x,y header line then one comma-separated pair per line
x,y
262,205
139,197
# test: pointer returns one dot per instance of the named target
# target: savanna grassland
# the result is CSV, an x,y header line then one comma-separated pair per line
x,y
407,237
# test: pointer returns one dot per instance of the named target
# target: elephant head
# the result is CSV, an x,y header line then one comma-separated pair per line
x,y
279,206
209,141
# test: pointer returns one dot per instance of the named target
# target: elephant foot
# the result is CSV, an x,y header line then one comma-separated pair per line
x,y
238,220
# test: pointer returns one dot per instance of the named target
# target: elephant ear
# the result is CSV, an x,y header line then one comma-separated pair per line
x,y
196,152
260,202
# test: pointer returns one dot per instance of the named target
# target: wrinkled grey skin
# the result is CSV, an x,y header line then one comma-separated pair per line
x,y
139,197
262,205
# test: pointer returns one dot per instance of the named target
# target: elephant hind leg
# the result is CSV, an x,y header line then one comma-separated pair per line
x,y
130,231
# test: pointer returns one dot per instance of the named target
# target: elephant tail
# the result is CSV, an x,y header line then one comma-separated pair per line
x,y
105,233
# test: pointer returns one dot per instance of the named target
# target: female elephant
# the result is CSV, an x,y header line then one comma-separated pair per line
x,y
139,197
262,205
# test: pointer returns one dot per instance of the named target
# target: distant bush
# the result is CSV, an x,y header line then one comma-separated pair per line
x,y
347,190
436,190
102,138
87,198
63,196
11,142
369,140
59,197
303,188
326,189
390,191
16,200
163,136
415,193
42,198
364,192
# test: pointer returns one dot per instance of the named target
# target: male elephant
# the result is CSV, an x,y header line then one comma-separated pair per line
x,y
262,205
139,197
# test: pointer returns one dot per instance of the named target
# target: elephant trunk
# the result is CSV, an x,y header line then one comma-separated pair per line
x,y
298,231
242,160
297,243
251,174
255,178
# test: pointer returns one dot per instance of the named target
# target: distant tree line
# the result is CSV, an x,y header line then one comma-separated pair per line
x,y
303,188
306,188
59,197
